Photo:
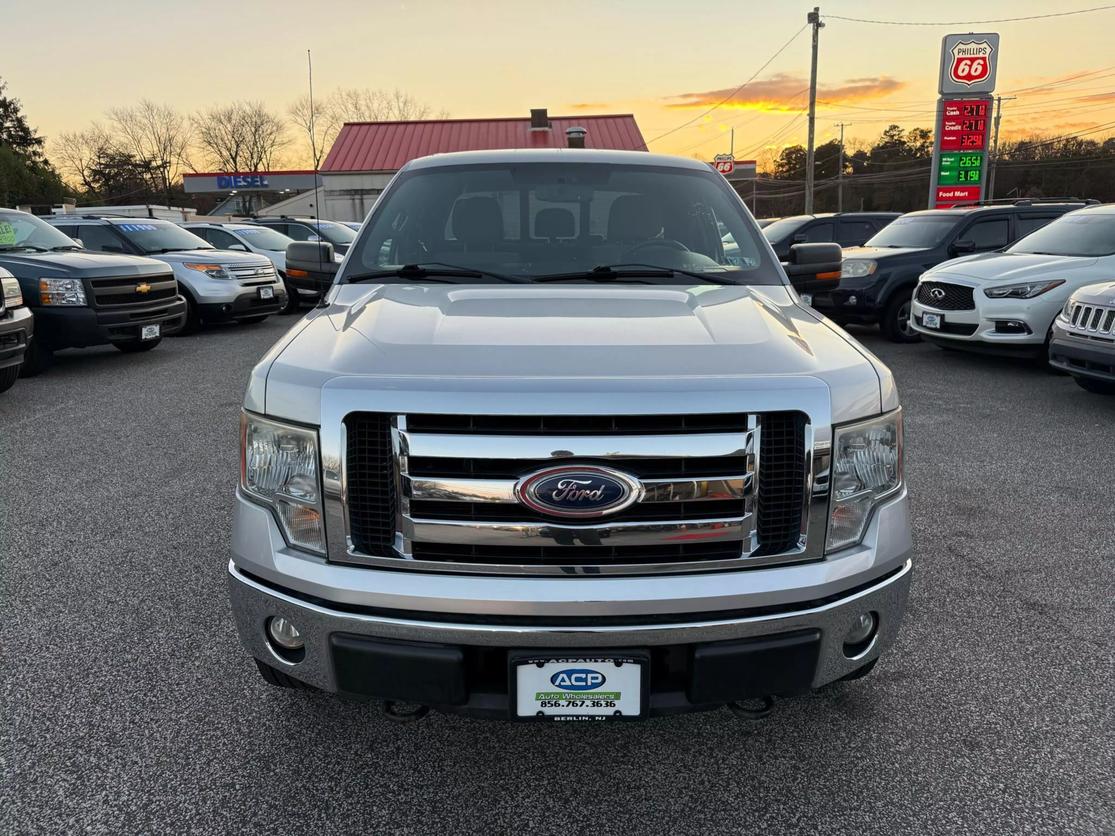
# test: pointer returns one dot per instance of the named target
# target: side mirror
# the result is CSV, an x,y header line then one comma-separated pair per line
x,y
964,246
238,247
812,261
80,243
311,256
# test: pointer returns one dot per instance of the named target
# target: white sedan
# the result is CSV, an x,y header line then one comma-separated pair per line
x,y
1005,302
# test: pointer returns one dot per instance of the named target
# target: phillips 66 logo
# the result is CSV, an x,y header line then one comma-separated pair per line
x,y
971,62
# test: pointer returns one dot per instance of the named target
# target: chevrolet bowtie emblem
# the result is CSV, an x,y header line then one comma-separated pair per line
x,y
143,287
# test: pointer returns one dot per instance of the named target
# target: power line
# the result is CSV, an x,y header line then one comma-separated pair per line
x,y
733,94
968,22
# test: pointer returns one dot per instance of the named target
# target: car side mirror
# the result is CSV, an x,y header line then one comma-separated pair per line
x,y
79,242
964,246
238,247
311,255
814,260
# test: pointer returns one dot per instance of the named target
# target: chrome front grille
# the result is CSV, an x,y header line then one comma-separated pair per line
x,y
133,291
263,272
439,491
1092,320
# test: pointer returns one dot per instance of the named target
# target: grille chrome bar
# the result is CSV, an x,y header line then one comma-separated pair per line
x,y
449,489
1092,320
698,445
571,536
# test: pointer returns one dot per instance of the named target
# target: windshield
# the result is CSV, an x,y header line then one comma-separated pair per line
x,y
18,230
920,231
1084,234
781,229
529,220
264,238
334,232
153,236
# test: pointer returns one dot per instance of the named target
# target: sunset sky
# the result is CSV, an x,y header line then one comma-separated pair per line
x,y
665,61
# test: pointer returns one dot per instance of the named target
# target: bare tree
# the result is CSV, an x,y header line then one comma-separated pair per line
x,y
155,133
243,136
77,153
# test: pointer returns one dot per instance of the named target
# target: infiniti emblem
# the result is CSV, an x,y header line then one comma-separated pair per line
x,y
578,491
937,292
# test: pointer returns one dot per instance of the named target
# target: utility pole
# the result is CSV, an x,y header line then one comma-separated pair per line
x,y
995,145
814,19
840,170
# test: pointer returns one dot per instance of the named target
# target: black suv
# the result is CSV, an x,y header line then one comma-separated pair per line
x,y
878,279
848,229
311,229
82,298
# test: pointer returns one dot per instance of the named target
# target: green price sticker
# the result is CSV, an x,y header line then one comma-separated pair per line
x,y
7,233
960,168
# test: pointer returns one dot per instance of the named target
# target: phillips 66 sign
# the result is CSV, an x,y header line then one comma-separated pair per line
x,y
968,63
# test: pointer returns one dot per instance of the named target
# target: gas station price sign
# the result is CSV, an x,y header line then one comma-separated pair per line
x,y
964,124
959,168
961,149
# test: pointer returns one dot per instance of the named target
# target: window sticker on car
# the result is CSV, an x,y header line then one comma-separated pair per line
x,y
7,233
138,227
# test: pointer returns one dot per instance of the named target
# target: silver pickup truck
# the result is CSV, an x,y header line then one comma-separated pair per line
x,y
546,452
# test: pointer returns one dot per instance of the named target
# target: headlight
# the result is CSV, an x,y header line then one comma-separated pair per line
x,y
61,292
1066,310
13,296
866,469
214,271
857,269
279,468
1027,290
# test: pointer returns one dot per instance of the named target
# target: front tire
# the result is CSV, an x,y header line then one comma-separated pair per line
x,y
291,305
137,346
895,323
1097,387
37,360
193,318
8,377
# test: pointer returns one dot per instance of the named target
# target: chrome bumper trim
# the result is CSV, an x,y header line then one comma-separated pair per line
x,y
680,446
450,489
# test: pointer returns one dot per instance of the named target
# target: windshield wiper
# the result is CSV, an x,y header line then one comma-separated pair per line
x,y
35,248
430,271
61,247
611,273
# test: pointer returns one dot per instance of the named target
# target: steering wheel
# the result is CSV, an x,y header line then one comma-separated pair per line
x,y
666,243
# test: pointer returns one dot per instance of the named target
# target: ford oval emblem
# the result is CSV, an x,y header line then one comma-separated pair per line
x,y
578,491
577,679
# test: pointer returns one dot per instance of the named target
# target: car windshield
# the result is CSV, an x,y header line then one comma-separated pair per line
x,y
264,238
781,229
19,230
920,231
154,236
527,221
333,232
1083,234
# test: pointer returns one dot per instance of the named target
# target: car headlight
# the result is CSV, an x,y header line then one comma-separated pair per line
x,y
866,469
13,296
854,269
279,469
213,271
1027,290
61,292
1066,310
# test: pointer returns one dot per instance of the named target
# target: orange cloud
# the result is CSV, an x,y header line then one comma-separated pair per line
x,y
783,91
1097,98
589,106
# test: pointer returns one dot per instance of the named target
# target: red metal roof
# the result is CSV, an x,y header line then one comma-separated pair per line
x,y
387,146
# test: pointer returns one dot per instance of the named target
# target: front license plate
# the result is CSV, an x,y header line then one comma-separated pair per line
x,y
149,332
267,293
807,298
932,320
579,688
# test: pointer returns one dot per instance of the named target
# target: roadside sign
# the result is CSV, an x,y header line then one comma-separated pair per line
x,y
724,163
951,195
969,63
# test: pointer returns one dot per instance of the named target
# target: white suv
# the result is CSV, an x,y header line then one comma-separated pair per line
x,y
1005,302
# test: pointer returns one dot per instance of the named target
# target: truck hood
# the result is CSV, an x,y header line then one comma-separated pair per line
x,y
87,265
1009,267
213,257
607,338
877,253
1102,293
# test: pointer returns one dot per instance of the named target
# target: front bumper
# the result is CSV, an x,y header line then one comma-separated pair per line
x,y
479,620
246,303
1009,327
79,327
16,327
1082,356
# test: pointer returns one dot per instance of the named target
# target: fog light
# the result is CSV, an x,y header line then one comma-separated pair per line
x,y
860,634
284,634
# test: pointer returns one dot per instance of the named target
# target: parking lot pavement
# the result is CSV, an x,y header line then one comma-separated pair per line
x,y
129,707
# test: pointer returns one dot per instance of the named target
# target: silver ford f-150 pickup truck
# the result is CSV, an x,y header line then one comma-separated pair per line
x,y
544,451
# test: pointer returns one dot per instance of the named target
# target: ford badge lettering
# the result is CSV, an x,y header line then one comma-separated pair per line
x,y
578,491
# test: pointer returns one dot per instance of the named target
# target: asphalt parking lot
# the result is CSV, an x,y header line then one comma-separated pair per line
x,y
128,706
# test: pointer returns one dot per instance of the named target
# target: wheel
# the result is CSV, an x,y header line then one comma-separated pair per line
x,y
277,678
895,323
253,320
193,318
291,305
860,673
1099,387
136,346
38,359
8,377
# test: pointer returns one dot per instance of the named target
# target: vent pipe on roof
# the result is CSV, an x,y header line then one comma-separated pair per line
x,y
539,119
575,137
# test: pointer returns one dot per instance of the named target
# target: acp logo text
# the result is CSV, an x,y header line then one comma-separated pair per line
x,y
577,679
